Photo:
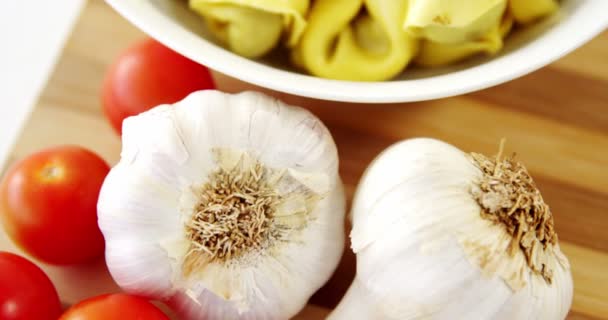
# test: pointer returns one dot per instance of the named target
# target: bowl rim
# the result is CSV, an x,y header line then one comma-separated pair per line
x,y
533,56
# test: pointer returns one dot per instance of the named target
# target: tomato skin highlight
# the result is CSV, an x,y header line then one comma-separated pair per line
x,y
114,306
48,204
26,292
146,75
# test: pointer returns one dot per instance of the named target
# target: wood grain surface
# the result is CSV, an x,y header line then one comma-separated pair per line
x,y
556,119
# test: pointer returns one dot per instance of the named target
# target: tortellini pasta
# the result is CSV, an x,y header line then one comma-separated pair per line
x,y
252,28
368,40
356,40
452,21
525,11
434,54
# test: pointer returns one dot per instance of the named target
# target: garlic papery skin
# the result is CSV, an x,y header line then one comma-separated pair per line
x,y
225,206
430,242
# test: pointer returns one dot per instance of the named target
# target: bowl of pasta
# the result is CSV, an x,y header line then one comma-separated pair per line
x,y
375,51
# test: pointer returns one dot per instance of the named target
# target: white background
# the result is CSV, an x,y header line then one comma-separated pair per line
x,y
32,34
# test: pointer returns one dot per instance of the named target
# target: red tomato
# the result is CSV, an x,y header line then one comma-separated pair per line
x,y
114,306
26,293
48,204
146,75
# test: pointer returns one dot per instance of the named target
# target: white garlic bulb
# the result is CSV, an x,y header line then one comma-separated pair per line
x,y
441,234
225,206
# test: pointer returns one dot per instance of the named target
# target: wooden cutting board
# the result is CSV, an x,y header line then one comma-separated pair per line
x,y
556,119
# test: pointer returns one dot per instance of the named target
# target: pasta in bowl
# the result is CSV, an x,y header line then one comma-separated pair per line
x,y
370,50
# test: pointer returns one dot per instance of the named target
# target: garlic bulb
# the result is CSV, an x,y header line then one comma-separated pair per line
x,y
225,206
441,234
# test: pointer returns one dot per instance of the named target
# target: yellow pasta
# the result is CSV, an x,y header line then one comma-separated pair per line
x,y
453,21
356,40
434,54
252,28
368,40
525,11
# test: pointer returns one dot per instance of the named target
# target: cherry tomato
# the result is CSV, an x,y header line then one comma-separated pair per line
x,y
48,204
146,75
26,293
114,306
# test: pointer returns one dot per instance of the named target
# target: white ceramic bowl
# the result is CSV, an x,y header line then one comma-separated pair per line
x,y
529,49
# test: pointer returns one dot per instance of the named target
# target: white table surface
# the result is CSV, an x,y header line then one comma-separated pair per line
x,y
32,34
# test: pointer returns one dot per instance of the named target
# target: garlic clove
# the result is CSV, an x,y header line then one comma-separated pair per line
x,y
254,121
142,207
355,295
226,206
387,171
143,134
